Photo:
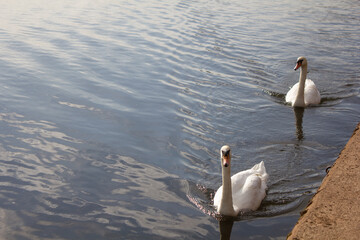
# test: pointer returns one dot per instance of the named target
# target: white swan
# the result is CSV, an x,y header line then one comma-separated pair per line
x,y
243,191
304,92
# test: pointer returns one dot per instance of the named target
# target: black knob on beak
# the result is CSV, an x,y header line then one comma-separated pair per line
x,y
226,153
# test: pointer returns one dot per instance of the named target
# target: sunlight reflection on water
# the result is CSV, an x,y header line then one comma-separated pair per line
x,y
112,113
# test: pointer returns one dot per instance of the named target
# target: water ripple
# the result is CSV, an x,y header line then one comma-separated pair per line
x,y
113,113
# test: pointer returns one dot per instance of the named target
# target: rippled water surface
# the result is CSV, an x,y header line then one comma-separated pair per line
x,y
112,113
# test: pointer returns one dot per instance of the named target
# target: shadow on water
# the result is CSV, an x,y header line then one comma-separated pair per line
x,y
96,145
299,114
225,229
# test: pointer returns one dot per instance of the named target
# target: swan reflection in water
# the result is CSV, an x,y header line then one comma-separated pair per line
x,y
299,113
225,229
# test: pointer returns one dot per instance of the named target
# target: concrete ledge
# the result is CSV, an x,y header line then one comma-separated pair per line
x,y
334,211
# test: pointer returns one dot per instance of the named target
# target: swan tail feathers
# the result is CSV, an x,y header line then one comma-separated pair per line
x,y
260,167
261,170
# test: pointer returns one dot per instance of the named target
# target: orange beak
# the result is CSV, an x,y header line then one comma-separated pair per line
x,y
298,64
226,161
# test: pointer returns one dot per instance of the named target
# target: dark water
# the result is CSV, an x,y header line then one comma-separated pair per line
x,y
112,113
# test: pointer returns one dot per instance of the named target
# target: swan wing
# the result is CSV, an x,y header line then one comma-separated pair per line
x,y
252,191
248,188
292,93
251,194
237,181
311,93
217,197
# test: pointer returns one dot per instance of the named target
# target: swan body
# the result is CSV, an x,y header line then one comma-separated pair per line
x,y
243,191
304,92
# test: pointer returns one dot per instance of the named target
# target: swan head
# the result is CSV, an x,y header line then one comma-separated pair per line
x,y
300,62
225,154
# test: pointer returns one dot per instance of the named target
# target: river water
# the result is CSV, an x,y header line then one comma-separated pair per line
x,y
112,113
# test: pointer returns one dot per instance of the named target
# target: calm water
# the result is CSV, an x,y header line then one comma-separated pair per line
x,y
112,113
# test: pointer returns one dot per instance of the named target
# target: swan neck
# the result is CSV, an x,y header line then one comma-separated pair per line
x,y
226,179
300,99
226,204
302,77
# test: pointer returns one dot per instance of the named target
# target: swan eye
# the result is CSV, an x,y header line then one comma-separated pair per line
x,y
300,61
226,153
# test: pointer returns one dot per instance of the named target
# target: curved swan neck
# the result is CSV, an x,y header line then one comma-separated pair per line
x,y
300,99
226,204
